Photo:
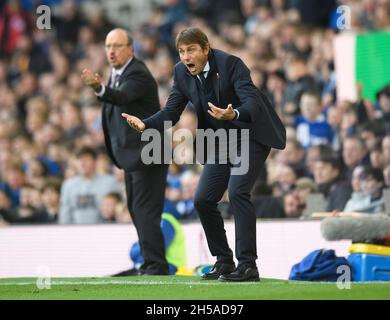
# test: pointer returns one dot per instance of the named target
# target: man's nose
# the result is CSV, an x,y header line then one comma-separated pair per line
x,y
186,56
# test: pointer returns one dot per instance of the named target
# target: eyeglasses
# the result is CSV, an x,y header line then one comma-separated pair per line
x,y
115,46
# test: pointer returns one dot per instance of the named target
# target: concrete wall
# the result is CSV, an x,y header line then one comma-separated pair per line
x,y
102,250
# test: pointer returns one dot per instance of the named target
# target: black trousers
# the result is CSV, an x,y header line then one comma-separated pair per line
x,y
145,191
214,181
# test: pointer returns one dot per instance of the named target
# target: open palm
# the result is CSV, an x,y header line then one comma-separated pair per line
x,y
134,122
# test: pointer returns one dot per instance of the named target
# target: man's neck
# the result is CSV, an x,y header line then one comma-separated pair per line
x,y
119,70
89,176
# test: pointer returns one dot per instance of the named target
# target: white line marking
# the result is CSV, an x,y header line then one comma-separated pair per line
x,y
65,283
188,283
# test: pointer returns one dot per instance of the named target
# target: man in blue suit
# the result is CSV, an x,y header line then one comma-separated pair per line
x,y
220,88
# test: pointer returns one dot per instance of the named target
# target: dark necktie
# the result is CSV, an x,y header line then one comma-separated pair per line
x,y
202,78
115,81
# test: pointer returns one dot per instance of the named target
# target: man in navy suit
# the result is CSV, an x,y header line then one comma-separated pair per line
x,y
220,88
132,89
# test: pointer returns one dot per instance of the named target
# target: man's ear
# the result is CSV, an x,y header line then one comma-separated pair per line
x,y
208,48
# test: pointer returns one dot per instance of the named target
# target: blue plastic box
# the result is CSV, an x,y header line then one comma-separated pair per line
x,y
369,267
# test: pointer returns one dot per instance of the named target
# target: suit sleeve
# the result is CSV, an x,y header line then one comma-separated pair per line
x,y
172,111
246,91
132,88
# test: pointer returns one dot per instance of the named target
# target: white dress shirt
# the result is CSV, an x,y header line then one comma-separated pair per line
x,y
114,72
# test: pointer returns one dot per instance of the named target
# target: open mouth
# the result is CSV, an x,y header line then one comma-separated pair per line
x,y
191,66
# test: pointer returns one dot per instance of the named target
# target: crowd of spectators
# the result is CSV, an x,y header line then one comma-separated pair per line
x,y
53,165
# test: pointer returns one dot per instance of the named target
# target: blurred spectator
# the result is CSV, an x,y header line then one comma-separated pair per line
x,y
216,11
30,56
386,175
36,173
327,175
334,117
14,22
174,11
266,205
357,195
189,181
383,106
315,153
285,181
30,210
51,200
112,205
377,159
354,153
71,121
314,14
99,23
173,194
276,81
372,185
68,25
147,43
293,208
293,156
174,241
371,199
371,133
303,187
386,148
81,196
299,81
7,212
312,128
13,181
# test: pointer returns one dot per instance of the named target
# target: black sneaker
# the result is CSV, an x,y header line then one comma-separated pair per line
x,y
243,273
217,270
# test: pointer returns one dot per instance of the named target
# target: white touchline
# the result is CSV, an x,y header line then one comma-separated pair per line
x,y
64,283
189,283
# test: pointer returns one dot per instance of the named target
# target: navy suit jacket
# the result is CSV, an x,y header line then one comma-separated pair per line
x,y
232,84
136,95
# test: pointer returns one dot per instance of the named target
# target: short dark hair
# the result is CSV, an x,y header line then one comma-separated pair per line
x,y
87,151
332,160
312,93
370,172
356,138
192,35
115,195
385,91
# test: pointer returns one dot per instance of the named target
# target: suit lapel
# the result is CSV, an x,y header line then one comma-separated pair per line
x,y
127,69
215,81
214,74
109,80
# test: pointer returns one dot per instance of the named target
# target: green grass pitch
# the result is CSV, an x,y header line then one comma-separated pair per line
x,y
185,288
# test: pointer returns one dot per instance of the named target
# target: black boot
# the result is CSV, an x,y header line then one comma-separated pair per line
x,y
243,273
219,269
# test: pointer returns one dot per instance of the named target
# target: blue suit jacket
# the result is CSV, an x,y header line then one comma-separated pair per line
x,y
232,84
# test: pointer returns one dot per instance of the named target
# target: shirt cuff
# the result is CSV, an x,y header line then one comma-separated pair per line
x,y
102,90
237,114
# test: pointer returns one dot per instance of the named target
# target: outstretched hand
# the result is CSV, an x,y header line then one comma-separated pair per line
x,y
134,122
221,114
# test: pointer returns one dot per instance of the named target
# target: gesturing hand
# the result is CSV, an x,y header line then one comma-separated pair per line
x,y
221,114
91,79
134,122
